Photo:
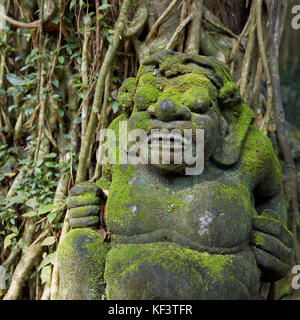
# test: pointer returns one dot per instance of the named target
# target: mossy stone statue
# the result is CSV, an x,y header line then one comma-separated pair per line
x,y
216,235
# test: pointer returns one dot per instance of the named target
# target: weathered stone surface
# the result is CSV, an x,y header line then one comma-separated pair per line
x,y
212,236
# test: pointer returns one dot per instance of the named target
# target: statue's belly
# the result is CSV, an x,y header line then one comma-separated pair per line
x,y
212,216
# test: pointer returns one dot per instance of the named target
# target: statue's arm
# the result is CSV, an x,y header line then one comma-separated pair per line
x,y
271,239
86,200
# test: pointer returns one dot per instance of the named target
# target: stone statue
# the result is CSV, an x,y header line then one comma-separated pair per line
x,y
216,235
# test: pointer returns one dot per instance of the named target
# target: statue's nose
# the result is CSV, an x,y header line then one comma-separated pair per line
x,y
167,111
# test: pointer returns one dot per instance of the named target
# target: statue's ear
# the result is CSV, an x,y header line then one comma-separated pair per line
x,y
126,95
237,117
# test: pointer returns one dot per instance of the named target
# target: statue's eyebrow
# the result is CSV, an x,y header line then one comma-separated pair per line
x,y
204,63
198,60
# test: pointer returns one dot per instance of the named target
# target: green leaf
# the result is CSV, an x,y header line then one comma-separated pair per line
x,y
48,241
69,50
50,258
61,59
12,107
110,38
55,20
51,216
50,164
81,95
30,214
99,16
15,200
39,162
14,229
72,4
46,208
14,80
115,106
7,240
31,203
55,83
104,6
45,273
51,155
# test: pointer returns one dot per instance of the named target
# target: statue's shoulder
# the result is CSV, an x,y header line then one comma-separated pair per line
x,y
258,154
105,181
114,125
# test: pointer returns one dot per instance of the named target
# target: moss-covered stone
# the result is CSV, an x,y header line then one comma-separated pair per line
x,y
126,94
256,153
170,271
81,255
176,236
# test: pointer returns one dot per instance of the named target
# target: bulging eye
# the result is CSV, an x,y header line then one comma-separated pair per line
x,y
200,106
197,99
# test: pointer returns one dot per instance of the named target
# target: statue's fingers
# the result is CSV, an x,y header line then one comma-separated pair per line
x,y
86,187
272,268
81,212
84,222
273,246
272,214
85,200
273,227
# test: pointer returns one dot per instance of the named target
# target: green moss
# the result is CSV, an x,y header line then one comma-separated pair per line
x,y
193,95
258,239
97,256
139,120
170,93
66,249
191,80
126,94
258,155
145,95
239,193
144,69
120,192
82,256
243,116
103,183
88,198
229,88
172,202
124,261
115,124
150,79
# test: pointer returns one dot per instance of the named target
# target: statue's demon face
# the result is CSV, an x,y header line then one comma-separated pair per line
x,y
176,92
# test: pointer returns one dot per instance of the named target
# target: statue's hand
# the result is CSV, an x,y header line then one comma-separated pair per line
x,y
84,204
273,246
